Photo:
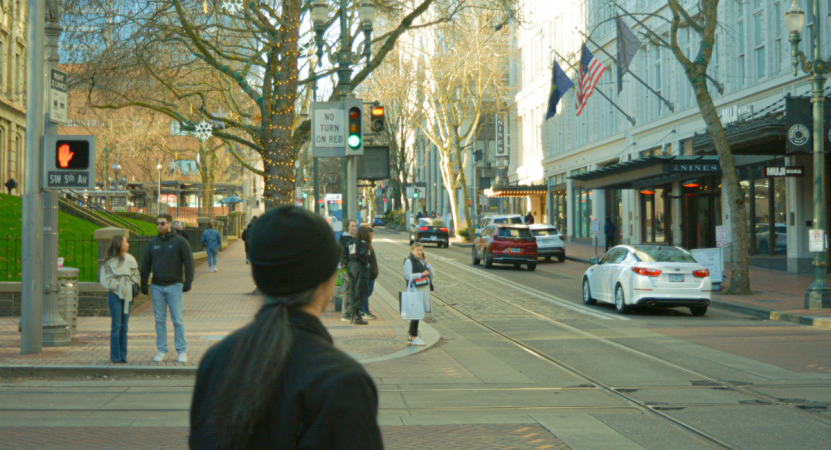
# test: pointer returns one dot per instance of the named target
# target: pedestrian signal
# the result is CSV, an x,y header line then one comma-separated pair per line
x,y
68,162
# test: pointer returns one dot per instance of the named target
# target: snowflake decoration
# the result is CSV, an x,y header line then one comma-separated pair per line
x,y
204,130
232,5
173,167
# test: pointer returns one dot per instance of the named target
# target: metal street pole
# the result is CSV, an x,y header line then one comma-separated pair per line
x,y
31,304
348,166
55,332
819,293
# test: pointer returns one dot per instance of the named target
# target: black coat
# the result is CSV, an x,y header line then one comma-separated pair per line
x,y
246,233
170,260
326,401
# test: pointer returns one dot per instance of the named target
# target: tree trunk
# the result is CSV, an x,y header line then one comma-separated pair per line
x,y
739,272
207,173
447,176
463,185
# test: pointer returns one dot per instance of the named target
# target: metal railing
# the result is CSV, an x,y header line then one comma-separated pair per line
x,y
80,253
96,209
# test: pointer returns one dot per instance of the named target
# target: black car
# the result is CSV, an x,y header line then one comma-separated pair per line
x,y
430,231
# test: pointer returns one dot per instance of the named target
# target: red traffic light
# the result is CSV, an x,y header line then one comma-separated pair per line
x,y
354,113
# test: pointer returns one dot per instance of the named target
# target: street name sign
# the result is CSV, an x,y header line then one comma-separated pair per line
x,y
328,130
58,104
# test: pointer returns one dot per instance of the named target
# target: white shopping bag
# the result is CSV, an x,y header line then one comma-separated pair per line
x,y
411,304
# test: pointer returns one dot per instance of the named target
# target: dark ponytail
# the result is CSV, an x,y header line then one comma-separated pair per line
x,y
252,375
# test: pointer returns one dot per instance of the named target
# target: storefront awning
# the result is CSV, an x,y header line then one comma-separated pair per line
x,y
648,171
515,191
761,136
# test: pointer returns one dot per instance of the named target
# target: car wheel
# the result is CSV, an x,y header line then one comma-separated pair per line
x,y
488,260
547,258
587,293
561,258
532,267
475,257
620,301
698,310
517,266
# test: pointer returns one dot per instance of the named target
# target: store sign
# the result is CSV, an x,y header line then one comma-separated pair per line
x,y
783,171
500,137
707,168
799,124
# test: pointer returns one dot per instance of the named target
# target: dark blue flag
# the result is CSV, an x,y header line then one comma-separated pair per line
x,y
560,83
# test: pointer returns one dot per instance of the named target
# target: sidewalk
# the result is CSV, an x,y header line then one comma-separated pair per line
x,y
219,303
777,295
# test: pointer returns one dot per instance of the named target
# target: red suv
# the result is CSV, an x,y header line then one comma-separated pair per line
x,y
505,244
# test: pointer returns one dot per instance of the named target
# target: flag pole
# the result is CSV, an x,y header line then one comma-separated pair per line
x,y
598,90
667,102
666,44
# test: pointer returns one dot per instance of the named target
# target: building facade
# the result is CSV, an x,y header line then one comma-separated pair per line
x,y
642,158
12,92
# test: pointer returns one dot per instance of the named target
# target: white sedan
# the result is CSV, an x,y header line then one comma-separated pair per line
x,y
549,242
648,275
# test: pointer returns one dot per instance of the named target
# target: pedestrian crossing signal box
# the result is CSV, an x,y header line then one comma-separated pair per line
x,y
68,162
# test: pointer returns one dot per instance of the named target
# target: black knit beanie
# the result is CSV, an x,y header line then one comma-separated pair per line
x,y
292,250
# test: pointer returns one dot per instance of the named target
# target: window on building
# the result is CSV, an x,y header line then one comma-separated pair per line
x,y
778,28
759,42
656,80
740,36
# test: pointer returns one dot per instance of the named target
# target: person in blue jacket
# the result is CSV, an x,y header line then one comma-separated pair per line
x,y
211,241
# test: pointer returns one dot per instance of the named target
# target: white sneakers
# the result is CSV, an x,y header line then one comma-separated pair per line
x,y
183,357
416,341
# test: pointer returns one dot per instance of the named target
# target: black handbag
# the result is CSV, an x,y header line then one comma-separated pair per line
x,y
136,290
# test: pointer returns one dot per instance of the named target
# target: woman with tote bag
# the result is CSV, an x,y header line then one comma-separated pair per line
x,y
418,273
120,276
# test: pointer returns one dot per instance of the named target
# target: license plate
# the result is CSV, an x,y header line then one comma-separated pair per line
x,y
433,238
516,250
677,278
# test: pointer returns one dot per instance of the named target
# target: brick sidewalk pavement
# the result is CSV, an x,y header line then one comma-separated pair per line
x,y
219,303
777,295
436,437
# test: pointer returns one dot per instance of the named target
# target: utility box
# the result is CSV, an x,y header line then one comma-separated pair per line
x,y
68,297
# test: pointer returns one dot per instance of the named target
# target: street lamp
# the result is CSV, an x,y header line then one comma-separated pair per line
x,y
819,293
345,59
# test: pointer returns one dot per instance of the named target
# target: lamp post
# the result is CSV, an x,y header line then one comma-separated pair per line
x,y
159,197
819,293
345,59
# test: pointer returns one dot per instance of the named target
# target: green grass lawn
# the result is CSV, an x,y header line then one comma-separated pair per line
x,y
147,229
77,244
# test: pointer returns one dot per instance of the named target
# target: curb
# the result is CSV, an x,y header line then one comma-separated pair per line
x,y
28,371
769,314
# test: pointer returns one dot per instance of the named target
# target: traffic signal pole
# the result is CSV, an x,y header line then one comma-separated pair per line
x,y
55,332
31,293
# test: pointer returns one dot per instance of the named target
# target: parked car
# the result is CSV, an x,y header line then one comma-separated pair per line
x,y
514,219
505,244
648,276
763,238
378,220
549,242
430,231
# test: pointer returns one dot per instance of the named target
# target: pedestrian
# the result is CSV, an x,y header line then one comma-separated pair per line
x,y
170,260
529,218
346,239
609,230
415,267
211,242
279,382
245,235
358,271
180,230
373,274
119,275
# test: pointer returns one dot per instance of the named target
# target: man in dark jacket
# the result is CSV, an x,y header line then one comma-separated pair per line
x,y
169,258
529,218
280,383
373,274
179,227
245,236
350,230
609,230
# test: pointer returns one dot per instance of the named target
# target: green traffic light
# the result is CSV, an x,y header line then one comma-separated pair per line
x,y
354,141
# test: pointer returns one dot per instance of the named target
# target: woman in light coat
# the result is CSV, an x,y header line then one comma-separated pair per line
x,y
119,273
415,267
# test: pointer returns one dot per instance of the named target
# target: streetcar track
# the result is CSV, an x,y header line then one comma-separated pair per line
x,y
619,393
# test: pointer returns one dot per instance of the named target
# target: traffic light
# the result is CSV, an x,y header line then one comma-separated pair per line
x,y
360,202
69,162
354,127
378,119
415,193
305,195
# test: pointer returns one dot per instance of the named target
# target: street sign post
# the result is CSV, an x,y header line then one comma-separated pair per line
x,y
328,130
68,162
816,241
58,104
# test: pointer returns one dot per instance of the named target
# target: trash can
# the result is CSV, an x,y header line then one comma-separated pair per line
x,y
68,297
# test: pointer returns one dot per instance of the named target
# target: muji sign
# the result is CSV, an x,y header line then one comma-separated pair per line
x,y
783,171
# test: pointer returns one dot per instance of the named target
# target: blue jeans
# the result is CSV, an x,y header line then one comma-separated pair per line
x,y
365,306
118,334
211,256
165,297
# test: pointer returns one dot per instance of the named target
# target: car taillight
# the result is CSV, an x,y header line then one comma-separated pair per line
x,y
423,228
444,229
701,273
646,272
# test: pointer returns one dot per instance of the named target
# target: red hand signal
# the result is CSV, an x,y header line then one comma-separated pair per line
x,y
64,156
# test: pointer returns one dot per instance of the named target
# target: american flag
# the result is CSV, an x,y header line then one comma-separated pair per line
x,y
587,77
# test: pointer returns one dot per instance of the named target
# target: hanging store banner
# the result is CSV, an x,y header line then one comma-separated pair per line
x,y
799,123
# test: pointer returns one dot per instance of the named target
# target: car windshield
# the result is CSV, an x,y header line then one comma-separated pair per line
x,y
545,232
658,253
516,220
511,220
516,233
431,223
